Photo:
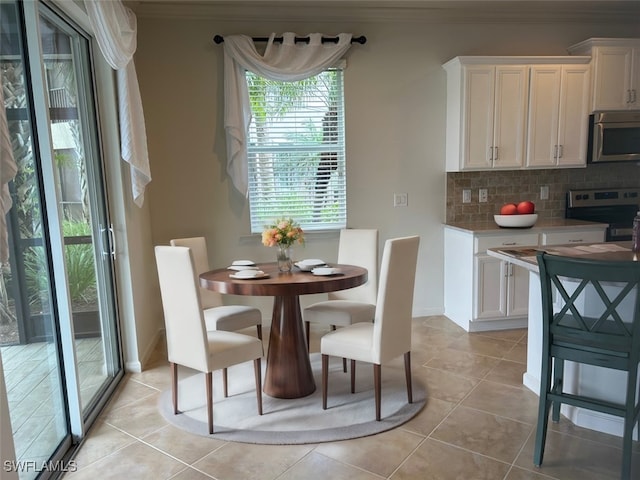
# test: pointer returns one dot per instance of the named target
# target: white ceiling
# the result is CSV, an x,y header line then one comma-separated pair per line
x,y
459,11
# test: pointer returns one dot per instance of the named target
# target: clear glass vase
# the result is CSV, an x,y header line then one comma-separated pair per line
x,y
285,263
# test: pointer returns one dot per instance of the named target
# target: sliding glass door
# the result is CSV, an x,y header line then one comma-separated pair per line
x,y
58,323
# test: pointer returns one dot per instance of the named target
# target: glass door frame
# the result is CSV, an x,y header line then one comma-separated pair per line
x,y
79,421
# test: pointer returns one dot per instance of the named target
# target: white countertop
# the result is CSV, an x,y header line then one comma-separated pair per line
x,y
542,225
526,256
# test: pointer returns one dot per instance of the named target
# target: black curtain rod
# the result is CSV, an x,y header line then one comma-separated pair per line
x,y
361,39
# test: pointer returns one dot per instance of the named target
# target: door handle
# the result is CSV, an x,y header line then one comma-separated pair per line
x,y
111,241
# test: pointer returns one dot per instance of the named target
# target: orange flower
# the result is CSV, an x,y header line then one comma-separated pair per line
x,y
285,231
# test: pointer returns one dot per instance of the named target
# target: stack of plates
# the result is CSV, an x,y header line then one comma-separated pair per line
x,y
326,271
248,274
309,264
239,265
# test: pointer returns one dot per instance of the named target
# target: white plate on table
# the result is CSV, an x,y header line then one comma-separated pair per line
x,y
239,268
243,263
309,264
248,275
325,271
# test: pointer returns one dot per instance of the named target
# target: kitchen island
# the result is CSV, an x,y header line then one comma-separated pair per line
x,y
484,293
604,383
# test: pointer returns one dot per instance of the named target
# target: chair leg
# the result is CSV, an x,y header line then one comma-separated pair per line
x,y
257,369
543,411
558,385
344,365
174,386
209,387
225,382
377,385
407,374
325,378
629,421
259,329
353,376
307,328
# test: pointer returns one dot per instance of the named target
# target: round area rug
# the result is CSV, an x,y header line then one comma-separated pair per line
x,y
294,421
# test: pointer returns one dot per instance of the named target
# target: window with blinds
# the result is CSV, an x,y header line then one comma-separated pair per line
x,y
296,152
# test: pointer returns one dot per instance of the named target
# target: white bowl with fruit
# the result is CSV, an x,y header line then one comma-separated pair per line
x,y
520,215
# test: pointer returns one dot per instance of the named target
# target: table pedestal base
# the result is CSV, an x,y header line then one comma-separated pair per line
x,y
288,373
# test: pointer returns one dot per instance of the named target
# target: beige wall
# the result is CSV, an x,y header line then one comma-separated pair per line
x,y
395,111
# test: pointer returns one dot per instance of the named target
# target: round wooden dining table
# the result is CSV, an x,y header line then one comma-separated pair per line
x,y
288,373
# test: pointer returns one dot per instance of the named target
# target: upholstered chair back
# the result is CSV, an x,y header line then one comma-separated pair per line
x,y
198,246
359,247
184,322
392,324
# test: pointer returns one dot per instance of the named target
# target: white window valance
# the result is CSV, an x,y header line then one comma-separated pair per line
x,y
115,28
286,61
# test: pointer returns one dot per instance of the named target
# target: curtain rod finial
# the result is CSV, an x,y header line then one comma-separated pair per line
x,y
218,39
361,39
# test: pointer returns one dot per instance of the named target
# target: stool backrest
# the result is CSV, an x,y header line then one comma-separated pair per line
x,y
591,309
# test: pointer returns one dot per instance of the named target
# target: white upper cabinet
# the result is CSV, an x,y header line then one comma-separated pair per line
x,y
486,115
488,112
558,116
615,70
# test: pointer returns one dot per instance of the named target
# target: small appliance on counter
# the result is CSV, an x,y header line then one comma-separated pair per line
x,y
615,206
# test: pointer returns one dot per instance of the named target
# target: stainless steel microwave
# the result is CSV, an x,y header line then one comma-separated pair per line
x,y
614,137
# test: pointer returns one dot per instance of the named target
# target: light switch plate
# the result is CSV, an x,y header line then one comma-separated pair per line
x,y
483,195
544,192
400,199
466,196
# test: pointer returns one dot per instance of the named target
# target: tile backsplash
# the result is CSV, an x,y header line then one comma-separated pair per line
x,y
513,186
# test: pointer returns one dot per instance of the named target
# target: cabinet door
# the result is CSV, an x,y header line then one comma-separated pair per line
x,y
635,78
511,91
518,290
478,117
490,287
544,112
611,77
574,116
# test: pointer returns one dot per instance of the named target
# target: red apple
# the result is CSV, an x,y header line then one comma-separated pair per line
x,y
509,209
526,207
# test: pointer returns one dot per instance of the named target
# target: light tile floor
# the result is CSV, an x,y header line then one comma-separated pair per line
x,y
478,423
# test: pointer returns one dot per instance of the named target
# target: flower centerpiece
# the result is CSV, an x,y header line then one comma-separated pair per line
x,y
283,234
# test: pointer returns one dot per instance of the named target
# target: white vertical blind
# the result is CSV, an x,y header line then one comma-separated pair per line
x,y
296,151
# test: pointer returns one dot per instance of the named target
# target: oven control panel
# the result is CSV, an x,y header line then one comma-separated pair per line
x,y
603,197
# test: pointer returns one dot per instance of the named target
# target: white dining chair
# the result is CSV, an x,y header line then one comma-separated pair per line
x,y
217,315
189,343
389,335
356,247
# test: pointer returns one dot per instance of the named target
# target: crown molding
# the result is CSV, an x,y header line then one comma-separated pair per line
x,y
423,11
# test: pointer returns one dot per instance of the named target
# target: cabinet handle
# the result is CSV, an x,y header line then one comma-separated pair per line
x,y
633,96
628,96
509,243
560,151
490,153
495,155
577,240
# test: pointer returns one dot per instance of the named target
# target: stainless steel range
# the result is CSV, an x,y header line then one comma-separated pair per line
x,y
615,206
